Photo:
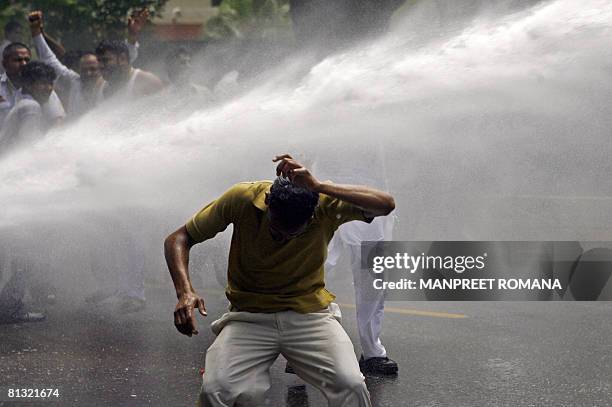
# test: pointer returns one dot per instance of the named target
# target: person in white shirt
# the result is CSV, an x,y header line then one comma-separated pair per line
x,y
347,242
119,74
85,89
179,67
26,120
182,95
14,57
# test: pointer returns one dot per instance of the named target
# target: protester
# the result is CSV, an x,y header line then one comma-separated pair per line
x,y
14,58
179,70
121,77
368,300
182,95
347,241
84,89
26,120
279,304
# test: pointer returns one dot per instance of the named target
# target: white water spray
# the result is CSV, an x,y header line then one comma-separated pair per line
x,y
498,131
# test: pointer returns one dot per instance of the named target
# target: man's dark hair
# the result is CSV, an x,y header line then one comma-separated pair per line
x,y
113,46
37,71
11,26
12,47
292,205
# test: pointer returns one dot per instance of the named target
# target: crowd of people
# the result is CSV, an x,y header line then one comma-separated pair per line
x,y
60,86
57,88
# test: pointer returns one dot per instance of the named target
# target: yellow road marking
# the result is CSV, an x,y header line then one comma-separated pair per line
x,y
406,311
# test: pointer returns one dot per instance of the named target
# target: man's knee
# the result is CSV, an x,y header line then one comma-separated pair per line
x,y
352,389
214,387
351,380
218,388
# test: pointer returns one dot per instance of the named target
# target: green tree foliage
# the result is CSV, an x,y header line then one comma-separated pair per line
x,y
80,24
253,19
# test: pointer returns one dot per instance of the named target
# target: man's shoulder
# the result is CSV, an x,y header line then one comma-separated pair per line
x,y
326,201
253,185
326,206
149,82
148,76
248,192
27,107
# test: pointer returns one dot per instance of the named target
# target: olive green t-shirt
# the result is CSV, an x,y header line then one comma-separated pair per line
x,y
265,275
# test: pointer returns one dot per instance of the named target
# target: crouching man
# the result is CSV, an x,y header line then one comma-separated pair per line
x,y
279,304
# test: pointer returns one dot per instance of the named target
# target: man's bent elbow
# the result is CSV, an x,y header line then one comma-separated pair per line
x,y
177,239
169,242
389,205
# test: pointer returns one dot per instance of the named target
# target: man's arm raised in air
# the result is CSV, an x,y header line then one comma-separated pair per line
x,y
64,74
135,24
176,250
148,83
372,201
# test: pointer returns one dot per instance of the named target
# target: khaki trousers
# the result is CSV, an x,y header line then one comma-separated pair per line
x,y
247,344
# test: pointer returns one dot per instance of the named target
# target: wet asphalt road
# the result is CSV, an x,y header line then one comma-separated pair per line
x,y
450,354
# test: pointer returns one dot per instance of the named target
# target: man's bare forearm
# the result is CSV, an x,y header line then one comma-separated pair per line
x,y
55,46
176,251
372,201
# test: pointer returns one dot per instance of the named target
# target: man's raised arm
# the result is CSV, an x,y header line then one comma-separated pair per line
x,y
372,201
176,251
44,52
135,24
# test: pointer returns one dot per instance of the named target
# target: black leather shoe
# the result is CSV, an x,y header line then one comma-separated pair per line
x,y
289,369
381,366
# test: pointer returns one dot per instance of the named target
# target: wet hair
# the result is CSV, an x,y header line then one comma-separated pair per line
x,y
11,26
113,46
12,47
291,205
37,71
